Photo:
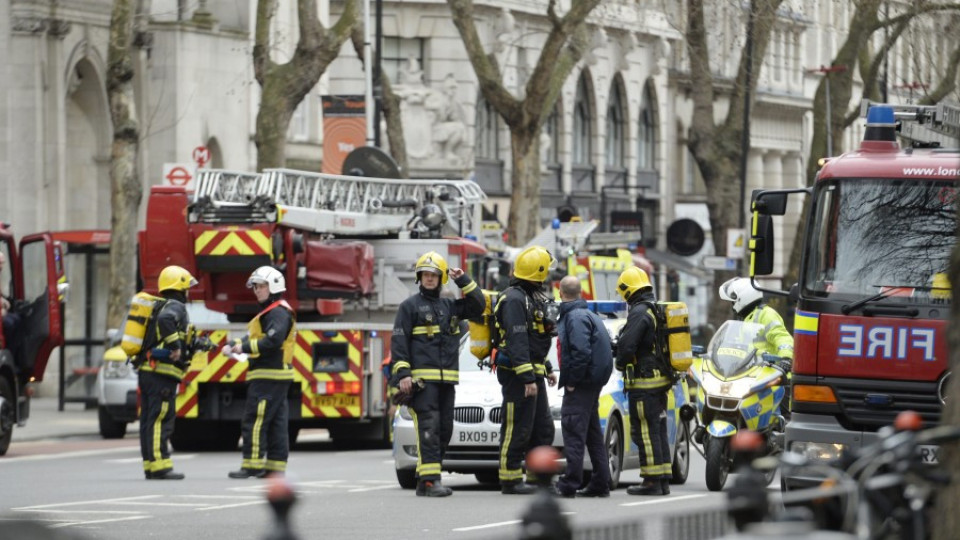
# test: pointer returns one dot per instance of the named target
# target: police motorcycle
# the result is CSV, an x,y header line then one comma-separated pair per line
x,y
738,387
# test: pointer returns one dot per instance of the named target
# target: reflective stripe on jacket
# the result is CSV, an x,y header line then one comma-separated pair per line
x,y
270,343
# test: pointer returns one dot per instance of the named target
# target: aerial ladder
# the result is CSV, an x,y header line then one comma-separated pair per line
x,y
925,125
342,206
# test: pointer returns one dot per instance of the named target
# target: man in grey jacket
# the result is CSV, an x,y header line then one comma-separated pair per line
x,y
586,362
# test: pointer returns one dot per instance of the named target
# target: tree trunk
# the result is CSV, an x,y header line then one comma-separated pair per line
x,y
273,120
125,188
524,224
391,111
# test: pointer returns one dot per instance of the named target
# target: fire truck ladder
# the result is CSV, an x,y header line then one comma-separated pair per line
x,y
349,205
230,197
925,123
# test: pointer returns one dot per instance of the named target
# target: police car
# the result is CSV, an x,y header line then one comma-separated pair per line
x,y
475,444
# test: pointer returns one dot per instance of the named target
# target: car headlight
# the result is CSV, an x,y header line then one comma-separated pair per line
x,y
405,413
815,451
116,370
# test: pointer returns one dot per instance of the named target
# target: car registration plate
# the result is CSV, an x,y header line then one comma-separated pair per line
x,y
929,454
336,400
478,437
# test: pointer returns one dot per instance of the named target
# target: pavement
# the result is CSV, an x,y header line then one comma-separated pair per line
x,y
47,422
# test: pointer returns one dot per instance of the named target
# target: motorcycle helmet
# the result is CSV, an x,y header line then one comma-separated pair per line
x,y
742,293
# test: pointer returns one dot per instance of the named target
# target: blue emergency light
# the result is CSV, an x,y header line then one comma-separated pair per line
x,y
881,124
607,307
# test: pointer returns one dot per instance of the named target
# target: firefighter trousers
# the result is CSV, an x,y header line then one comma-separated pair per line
x,y
432,410
525,423
648,428
158,394
266,437
580,424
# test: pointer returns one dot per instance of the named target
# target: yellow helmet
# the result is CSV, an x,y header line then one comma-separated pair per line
x,y
941,288
175,278
632,280
431,261
534,264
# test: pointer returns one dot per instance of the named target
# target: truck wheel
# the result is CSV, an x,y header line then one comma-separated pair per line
x,y
407,478
8,415
615,450
681,455
488,477
718,462
109,427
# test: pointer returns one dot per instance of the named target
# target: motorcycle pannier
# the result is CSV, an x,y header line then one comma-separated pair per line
x,y
142,307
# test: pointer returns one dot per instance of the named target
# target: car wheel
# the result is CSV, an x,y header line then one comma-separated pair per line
x,y
110,428
407,478
681,456
718,462
8,415
615,450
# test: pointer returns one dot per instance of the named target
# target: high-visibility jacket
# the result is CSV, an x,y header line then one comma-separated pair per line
x,y
426,333
270,342
779,342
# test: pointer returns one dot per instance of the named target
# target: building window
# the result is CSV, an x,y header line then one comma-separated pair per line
x,y
583,172
550,152
397,55
616,137
489,167
646,143
299,130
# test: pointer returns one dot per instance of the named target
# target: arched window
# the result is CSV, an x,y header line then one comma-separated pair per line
x,y
489,167
616,167
646,134
550,151
583,171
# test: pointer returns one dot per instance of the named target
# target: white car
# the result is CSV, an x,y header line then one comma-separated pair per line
x,y
475,445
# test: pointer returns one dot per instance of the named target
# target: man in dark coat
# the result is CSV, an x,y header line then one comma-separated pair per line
x,y
586,362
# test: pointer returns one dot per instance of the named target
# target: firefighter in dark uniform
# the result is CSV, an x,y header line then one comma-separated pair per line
x,y
646,378
161,369
269,347
526,319
425,352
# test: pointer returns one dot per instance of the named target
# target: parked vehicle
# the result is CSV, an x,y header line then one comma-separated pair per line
x,y
736,389
34,286
474,447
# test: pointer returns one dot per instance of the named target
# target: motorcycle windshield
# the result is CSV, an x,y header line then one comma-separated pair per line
x,y
734,347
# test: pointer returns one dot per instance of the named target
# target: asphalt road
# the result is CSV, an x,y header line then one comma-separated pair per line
x,y
90,488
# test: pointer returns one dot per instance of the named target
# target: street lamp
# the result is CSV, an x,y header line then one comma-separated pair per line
x,y
827,71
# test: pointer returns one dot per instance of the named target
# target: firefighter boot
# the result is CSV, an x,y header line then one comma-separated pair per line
x,y
168,474
649,487
518,488
247,473
665,485
432,488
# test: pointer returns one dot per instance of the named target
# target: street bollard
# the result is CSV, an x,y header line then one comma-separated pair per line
x,y
282,498
543,519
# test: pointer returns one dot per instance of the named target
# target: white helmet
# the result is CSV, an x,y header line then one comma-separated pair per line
x,y
269,275
741,292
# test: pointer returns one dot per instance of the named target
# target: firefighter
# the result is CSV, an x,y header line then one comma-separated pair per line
x,y
646,380
425,358
748,306
269,347
526,318
161,369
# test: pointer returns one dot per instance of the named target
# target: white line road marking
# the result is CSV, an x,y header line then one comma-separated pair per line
x,y
65,455
667,499
221,496
78,503
363,490
235,505
61,525
487,526
152,503
46,511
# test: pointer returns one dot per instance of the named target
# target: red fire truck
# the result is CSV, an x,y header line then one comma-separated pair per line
x,y
32,282
347,248
873,298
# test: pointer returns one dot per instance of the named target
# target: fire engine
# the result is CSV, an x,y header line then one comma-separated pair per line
x,y
873,297
347,248
32,302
